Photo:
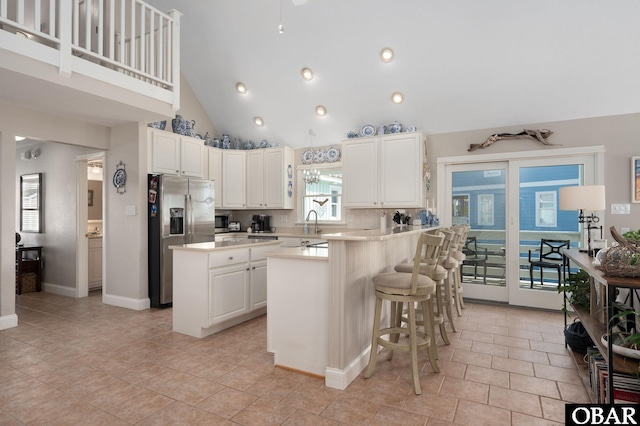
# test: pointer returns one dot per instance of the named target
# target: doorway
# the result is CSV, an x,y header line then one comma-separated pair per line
x,y
91,225
510,202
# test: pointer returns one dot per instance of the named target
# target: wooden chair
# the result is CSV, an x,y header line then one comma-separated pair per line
x,y
475,256
549,256
410,288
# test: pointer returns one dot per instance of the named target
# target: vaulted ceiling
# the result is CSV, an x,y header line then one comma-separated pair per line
x,y
461,65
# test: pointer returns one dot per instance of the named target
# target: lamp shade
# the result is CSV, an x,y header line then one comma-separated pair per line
x,y
587,197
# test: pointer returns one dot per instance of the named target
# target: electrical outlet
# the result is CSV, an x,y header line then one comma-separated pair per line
x,y
620,208
131,211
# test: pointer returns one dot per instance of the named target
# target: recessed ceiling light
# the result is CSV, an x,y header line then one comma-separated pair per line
x,y
241,88
321,111
258,121
19,138
386,54
307,74
397,98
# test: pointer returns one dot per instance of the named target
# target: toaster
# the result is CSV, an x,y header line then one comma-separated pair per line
x,y
234,226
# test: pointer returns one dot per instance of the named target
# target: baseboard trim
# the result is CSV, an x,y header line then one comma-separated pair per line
x,y
340,379
59,289
126,302
8,321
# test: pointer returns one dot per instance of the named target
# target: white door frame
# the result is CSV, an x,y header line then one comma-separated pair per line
x,y
82,214
514,160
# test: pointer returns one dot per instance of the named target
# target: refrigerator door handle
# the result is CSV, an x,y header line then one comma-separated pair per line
x,y
191,224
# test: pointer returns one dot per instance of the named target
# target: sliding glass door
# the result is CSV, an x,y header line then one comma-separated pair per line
x,y
511,206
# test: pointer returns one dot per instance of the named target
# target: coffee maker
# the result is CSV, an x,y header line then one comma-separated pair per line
x,y
261,223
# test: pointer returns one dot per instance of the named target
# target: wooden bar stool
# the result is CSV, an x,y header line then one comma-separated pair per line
x,y
462,231
400,288
435,269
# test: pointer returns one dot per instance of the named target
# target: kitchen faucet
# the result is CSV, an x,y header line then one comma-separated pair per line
x,y
315,230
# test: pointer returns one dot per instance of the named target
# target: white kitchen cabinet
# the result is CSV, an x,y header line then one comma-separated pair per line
x,y
234,179
214,172
95,263
255,179
258,283
174,154
270,178
228,293
384,171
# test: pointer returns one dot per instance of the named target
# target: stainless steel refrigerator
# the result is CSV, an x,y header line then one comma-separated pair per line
x,y
180,211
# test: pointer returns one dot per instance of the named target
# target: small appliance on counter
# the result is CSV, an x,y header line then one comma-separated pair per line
x,y
222,223
234,226
261,223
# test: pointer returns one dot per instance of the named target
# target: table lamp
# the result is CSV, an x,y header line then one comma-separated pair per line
x,y
581,198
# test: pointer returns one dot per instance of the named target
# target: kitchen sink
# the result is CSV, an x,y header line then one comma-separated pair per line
x,y
321,244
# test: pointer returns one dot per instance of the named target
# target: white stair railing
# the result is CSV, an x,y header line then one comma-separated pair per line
x,y
129,36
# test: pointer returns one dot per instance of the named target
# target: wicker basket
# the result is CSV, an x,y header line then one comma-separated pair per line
x,y
29,282
622,260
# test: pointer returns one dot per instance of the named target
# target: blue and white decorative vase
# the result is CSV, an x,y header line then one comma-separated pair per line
x,y
395,127
179,125
226,142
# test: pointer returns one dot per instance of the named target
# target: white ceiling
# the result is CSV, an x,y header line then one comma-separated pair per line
x,y
462,64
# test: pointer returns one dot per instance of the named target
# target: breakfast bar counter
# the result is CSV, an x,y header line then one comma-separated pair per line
x,y
333,299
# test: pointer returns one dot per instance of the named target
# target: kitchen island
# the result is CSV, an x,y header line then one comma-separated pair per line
x,y
217,285
326,300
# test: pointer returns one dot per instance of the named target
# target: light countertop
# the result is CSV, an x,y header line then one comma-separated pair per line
x,y
346,234
224,245
305,253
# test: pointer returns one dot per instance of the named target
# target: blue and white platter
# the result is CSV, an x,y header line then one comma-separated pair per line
x,y
332,154
368,130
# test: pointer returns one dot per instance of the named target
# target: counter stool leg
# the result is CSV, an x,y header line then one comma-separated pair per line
x,y
413,348
374,340
430,331
441,325
449,301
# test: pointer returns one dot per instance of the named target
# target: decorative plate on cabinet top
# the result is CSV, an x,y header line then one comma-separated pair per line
x,y
332,155
307,156
368,130
319,156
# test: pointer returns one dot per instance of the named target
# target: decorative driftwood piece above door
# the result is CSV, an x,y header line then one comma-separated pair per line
x,y
537,135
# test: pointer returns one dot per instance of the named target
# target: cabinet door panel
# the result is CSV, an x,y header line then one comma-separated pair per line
x,y
401,183
274,178
360,173
165,156
233,179
228,290
258,291
255,179
215,173
192,157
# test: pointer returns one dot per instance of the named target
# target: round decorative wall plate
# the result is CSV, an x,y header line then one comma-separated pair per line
x,y
318,156
332,155
120,178
307,156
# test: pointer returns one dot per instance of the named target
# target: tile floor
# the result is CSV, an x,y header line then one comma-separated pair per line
x,y
77,361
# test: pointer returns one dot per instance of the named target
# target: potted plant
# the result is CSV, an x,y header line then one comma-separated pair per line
x,y
578,285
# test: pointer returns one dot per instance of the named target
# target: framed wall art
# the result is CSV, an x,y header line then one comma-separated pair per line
x,y
635,179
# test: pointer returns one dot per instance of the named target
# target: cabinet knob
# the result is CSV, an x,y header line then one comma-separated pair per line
x,y
178,171
230,257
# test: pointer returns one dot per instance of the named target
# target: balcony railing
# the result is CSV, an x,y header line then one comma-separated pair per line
x,y
128,36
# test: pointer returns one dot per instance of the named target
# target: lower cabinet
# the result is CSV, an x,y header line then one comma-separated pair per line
x,y
95,263
228,293
214,289
258,280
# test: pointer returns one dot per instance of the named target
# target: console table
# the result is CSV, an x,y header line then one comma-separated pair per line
x,y
603,293
26,263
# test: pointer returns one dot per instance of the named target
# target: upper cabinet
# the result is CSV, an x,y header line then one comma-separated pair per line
x,y
175,154
270,178
234,179
384,171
